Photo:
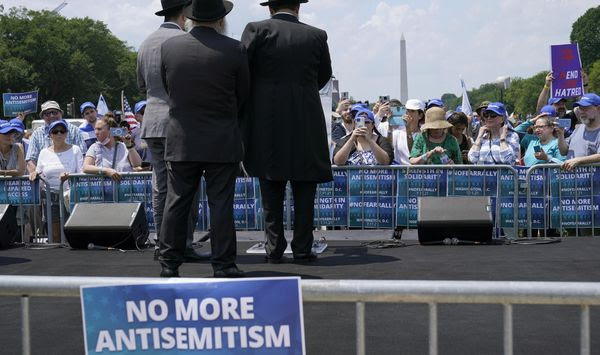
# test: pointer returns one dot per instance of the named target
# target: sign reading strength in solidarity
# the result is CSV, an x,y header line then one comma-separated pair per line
x,y
251,316
15,103
566,68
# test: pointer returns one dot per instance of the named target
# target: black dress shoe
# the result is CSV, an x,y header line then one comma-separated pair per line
x,y
169,272
193,256
230,272
305,258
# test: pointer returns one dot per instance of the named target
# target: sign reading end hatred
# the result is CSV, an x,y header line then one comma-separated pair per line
x,y
566,69
251,316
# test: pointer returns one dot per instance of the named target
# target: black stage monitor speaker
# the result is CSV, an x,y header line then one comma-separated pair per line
x,y
113,225
465,219
8,225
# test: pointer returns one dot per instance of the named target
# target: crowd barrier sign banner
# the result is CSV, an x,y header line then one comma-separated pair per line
x,y
23,102
566,69
251,316
19,191
575,198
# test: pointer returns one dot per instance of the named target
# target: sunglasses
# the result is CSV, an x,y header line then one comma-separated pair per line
x,y
51,113
58,131
490,115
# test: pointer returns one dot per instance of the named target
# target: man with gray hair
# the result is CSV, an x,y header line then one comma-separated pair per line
x,y
156,115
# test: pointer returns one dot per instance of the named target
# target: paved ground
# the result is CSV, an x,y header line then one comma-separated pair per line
x,y
391,329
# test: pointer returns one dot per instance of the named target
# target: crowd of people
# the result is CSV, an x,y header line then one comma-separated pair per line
x,y
278,142
428,133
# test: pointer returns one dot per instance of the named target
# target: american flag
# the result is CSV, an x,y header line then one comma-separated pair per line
x,y
128,114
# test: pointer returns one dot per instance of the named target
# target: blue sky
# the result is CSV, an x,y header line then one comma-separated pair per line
x,y
480,40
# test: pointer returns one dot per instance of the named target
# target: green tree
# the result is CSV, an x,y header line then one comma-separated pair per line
x,y
594,78
586,32
64,58
522,95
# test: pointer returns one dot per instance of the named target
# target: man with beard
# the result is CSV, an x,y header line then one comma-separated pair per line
x,y
346,126
583,146
206,77
156,115
285,132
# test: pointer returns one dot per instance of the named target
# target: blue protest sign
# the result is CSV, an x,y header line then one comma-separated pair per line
x,y
23,102
578,183
19,192
421,182
407,209
251,316
331,211
371,212
244,213
566,68
371,182
573,212
467,182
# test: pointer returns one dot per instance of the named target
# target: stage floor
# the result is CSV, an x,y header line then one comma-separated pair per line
x,y
330,328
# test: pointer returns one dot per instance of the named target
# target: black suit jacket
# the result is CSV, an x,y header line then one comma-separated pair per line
x,y
285,132
206,77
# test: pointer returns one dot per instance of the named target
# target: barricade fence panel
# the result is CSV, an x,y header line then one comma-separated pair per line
x,y
559,199
24,194
386,197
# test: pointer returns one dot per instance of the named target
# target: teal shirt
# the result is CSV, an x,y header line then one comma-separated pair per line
x,y
421,146
550,148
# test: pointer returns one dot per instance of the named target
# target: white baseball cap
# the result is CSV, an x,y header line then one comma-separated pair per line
x,y
415,104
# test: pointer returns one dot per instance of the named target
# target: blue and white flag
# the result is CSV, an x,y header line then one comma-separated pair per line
x,y
102,107
466,105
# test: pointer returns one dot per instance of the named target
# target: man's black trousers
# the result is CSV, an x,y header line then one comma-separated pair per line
x,y
183,179
273,194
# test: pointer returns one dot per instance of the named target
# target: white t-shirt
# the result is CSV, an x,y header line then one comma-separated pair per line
x,y
52,165
400,143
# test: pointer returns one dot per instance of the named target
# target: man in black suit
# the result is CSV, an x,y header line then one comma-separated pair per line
x,y
285,133
206,77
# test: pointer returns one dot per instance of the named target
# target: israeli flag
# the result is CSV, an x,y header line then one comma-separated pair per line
x,y
466,105
102,107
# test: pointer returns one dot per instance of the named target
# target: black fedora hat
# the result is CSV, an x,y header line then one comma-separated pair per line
x,y
170,4
282,2
208,10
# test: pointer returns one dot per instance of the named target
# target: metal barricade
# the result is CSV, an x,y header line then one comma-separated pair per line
x,y
385,197
360,292
21,192
563,199
373,197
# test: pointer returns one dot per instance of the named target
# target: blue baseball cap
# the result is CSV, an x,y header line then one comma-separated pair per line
x,y
57,123
435,103
86,105
358,107
369,114
140,105
555,100
496,107
586,100
17,124
550,110
6,127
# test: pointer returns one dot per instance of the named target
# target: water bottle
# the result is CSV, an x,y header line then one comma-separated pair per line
x,y
444,158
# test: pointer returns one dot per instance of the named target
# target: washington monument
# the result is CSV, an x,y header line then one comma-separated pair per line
x,y
403,77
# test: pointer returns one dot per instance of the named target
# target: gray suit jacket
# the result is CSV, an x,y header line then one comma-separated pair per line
x,y
150,81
